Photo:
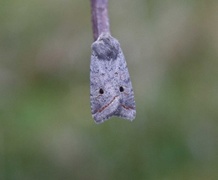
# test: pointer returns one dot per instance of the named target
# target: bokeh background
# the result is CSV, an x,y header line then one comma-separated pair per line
x,y
46,129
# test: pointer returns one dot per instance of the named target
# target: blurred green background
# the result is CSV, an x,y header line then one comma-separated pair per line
x,y
46,129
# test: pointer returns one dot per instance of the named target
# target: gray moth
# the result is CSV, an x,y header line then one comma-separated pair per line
x,y
111,92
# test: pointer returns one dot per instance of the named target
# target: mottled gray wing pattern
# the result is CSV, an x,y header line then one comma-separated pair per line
x,y
111,92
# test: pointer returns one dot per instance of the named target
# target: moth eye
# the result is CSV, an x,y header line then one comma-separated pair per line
x,y
101,91
121,89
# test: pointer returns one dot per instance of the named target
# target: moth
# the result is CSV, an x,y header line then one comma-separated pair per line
x,y
111,92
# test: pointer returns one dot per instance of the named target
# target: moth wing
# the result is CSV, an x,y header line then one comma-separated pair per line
x,y
127,107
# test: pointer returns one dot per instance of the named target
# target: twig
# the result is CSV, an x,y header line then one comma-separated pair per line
x,y
100,19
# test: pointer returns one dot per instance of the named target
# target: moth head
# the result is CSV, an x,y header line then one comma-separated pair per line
x,y
106,47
